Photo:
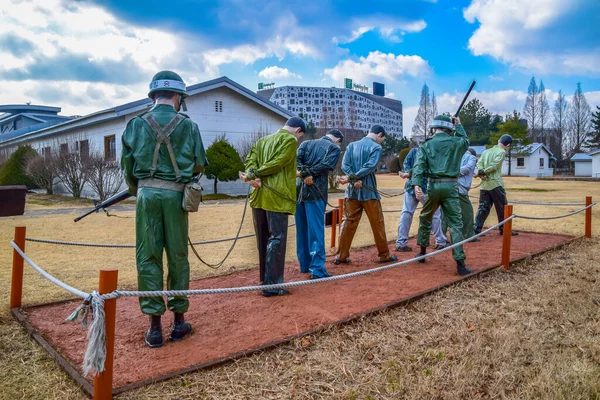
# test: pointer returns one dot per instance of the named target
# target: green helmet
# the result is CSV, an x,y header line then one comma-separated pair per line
x,y
442,122
167,81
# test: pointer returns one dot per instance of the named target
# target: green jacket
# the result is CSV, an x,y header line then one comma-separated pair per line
x,y
491,163
273,160
440,156
139,143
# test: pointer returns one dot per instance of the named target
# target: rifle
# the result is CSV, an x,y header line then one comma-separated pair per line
x,y
464,99
107,203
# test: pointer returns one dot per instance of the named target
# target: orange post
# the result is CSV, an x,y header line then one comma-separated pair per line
x,y
103,382
334,218
340,211
588,217
506,238
16,284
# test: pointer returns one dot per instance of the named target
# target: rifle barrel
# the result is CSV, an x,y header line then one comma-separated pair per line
x,y
465,98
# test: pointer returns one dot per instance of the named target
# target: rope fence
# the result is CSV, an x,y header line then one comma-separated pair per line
x,y
94,302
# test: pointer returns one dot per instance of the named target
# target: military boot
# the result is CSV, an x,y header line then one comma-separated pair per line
x,y
153,337
181,329
461,268
422,253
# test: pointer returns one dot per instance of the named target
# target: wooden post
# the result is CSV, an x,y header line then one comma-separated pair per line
x,y
103,382
506,238
588,217
340,211
16,284
334,217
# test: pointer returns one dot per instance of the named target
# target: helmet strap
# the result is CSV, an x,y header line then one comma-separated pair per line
x,y
183,105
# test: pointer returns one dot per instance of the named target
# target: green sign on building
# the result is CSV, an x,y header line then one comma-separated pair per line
x,y
348,83
260,86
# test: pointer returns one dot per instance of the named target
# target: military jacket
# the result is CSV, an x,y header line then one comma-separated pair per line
x,y
273,159
440,156
139,141
360,160
491,163
316,158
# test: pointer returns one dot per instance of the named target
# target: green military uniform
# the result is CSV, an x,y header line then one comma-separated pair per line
x,y
439,158
161,222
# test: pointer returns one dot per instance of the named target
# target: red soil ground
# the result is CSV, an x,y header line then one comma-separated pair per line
x,y
230,323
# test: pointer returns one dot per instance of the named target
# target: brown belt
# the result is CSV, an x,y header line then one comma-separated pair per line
x,y
156,183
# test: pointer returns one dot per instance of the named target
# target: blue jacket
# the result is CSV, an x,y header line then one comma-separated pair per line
x,y
467,169
409,163
316,158
360,160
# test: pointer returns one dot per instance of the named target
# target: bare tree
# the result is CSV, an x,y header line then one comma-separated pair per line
x,y
244,145
41,171
544,114
424,115
579,122
104,176
531,108
71,169
434,110
559,114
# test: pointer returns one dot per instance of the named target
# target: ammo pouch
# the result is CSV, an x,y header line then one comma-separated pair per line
x,y
192,196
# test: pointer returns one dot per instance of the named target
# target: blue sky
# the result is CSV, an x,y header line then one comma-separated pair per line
x,y
87,55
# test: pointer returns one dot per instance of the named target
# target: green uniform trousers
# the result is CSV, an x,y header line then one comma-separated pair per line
x,y
466,213
160,222
445,195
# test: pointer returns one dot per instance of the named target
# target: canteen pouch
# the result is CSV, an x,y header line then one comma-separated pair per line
x,y
192,196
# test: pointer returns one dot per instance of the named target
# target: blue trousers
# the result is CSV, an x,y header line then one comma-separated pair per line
x,y
310,237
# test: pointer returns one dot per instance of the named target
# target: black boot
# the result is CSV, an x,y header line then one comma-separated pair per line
x,y
422,253
181,329
153,337
461,268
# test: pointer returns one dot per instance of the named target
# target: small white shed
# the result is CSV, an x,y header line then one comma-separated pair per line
x,y
531,160
595,163
582,163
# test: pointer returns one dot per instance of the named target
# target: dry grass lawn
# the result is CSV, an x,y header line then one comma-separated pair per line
x,y
530,333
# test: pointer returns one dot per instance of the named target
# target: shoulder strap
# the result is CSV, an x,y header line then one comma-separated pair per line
x,y
162,135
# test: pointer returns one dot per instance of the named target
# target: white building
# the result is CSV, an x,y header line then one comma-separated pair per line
x,y
220,106
583,164
595,163
339,108
531,160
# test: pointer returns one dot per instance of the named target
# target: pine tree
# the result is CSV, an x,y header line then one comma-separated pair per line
x,y
579,122
434,110
594,138
424,115
543,112
530,110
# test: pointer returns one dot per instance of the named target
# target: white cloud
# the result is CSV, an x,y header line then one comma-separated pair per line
x,y
276,72
390,29
546,36
379,65
391,95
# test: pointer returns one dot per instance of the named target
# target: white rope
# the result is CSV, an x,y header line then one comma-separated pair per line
x,y
556,216
47,275
538,203
95,353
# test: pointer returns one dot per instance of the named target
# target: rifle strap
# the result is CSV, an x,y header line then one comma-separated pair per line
x,y
162,135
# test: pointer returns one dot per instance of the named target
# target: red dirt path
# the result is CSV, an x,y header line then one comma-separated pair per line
x,y
229,323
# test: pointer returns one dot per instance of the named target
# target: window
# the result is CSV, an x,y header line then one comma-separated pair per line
x,y
218,106
64,149
520,162
541,162
292,101
47,153
84,149
110,148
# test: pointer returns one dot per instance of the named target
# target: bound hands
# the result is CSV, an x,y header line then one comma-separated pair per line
x,y
255,183
404,175
308,180
419,193
343,179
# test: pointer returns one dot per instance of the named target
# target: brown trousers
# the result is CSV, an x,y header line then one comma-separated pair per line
x,y
352,212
